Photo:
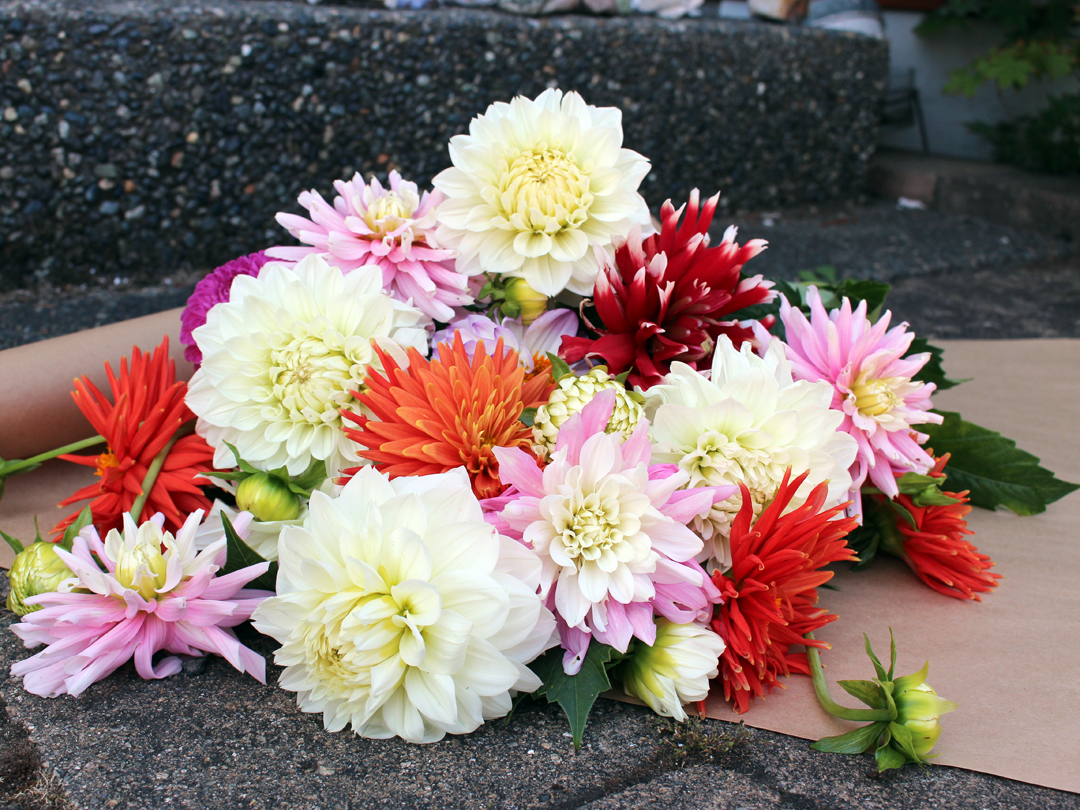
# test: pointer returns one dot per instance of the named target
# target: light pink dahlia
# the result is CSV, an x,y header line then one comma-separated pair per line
x,y
532,342
145,601
871,382
610,531
394,229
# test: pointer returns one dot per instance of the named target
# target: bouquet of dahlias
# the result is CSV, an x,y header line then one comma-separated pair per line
x,y
500,437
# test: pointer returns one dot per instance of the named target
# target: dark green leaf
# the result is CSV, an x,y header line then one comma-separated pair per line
x,y
241,555
872,292
902,740
15,543
993,468
878,668
867,691
528,416
243,465
888,757
575,693
933,371
71,532
864,540
905,514
307,482
559,368
854,742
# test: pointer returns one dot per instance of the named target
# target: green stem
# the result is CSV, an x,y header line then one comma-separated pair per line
x,y
15,466
826,701
155,468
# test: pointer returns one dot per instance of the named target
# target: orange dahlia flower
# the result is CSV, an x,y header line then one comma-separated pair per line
x,y
448,412
143,420
936,549
770,591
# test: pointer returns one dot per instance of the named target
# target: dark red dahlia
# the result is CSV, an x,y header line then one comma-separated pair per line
x,y
666,297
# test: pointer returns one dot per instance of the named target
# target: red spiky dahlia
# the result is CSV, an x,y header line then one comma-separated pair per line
x,y
770,591
447,412
665,298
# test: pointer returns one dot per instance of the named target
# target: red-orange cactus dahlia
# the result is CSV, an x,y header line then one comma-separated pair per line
x,y
448,412
666,297
770,591
143,419
935,548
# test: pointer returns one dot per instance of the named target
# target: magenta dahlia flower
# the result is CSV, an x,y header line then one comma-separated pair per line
x,y
393,228
871,382
144,601
610,531
214,289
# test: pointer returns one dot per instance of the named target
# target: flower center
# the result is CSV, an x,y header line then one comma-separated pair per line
x,y
592,525
874,397
105,462
310,379
142,568
385,214
543,190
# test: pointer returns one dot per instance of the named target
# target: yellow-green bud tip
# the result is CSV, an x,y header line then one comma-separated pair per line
x,y
267,498
37,569
532,304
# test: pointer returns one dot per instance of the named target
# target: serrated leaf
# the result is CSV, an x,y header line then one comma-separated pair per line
x,y
933,371
994,470
853,742
71,532
528,417
872,292
867,691
576,694
14,542
241,555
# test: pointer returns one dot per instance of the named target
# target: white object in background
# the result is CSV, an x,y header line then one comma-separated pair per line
x,y
858,16
908,204
734,10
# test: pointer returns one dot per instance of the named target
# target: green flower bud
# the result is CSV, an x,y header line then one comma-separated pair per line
x,y
267,498
37,569
529,303
571,394
918,708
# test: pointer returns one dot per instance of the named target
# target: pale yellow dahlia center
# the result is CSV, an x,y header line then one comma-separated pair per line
x,y
593,527
385,214
310,379
543,190
142,568
873,397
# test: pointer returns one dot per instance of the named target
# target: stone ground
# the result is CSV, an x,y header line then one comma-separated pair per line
x,y
211,738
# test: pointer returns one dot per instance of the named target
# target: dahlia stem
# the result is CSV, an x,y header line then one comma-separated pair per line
x,y
17,466
155,468
826,701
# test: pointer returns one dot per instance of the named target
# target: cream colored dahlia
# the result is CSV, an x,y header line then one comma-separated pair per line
x,y
401,612
747,425
282,357
536,185
573,393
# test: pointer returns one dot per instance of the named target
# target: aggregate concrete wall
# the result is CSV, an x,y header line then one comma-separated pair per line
x,y
142,138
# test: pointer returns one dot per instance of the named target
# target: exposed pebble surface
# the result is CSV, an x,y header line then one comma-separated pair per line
x,y
138,138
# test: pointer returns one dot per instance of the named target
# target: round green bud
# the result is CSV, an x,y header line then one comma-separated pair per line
x,y
267,498
37,569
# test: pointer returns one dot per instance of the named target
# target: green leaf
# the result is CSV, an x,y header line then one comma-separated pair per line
x,y
15,543
528,417
868,692
559,368
878,668
241,555
854,742
933,371
305,483
901,739
71,532
575,693
888,757
864,541
993,468
933,496
872,292
243,465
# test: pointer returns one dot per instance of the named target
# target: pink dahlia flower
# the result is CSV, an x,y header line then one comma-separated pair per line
x,y
394,229
532,342
610,531
214,289
144,601
871,382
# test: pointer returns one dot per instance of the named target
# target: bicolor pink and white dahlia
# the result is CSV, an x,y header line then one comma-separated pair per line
x,y
872,385
393,228
610,530
144,601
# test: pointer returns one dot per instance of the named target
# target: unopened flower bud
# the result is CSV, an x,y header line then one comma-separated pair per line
x,y
675,670
267,498
530,303
918,708
37,569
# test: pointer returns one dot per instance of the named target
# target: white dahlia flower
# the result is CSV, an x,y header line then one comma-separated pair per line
x,y
675,670
282,357
536,185
747,425
400,611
